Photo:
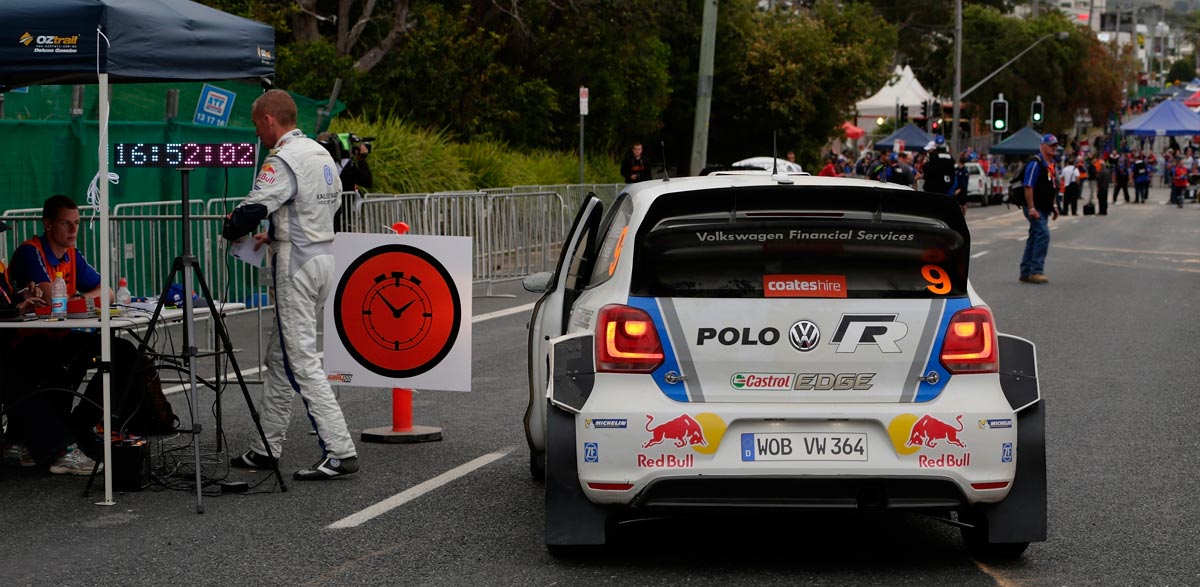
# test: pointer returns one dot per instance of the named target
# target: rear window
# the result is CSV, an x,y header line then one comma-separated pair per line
x,y
816,258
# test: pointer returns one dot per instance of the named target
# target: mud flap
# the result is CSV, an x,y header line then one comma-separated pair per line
x,y
1021,517
571,519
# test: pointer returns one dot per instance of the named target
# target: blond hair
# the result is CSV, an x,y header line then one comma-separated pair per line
x,y
277,104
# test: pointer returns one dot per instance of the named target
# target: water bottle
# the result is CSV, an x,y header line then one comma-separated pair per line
x,y
58,296
123,295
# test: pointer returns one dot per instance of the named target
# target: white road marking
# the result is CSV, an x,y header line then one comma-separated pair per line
x,y
979,254
501,313
416,491
230,376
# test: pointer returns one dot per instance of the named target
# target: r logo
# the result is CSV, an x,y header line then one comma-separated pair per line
x,y
880,330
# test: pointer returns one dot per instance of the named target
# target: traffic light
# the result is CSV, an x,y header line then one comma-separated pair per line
x,y
903,114
1037,111
925,110
1000,115
936,111
936,127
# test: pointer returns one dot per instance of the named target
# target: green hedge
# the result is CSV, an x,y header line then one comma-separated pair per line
x,y
406,158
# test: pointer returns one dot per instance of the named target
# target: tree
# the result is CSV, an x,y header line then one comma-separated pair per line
x,y
1183,70
802,73
1070,75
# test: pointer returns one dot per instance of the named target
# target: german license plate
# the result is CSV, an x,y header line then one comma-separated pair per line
x,y
804,446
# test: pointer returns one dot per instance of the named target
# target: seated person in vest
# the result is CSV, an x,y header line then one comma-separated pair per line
x,y
49,360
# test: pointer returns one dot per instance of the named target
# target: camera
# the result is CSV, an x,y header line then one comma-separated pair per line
x,y
352,141
344,145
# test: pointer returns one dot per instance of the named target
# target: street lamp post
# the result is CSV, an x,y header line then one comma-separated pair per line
x,y
960,95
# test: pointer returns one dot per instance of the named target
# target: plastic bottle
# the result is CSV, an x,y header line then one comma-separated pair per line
x,y
123,295
58,296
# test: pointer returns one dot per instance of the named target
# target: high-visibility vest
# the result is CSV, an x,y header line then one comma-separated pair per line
x,y
66,267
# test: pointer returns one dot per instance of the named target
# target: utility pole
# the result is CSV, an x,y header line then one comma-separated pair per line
x,y
957,76
704,87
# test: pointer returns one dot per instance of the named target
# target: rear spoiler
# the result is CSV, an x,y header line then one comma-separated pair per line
x,y
881,203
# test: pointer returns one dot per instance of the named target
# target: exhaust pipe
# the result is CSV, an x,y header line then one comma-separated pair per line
x,y
872,498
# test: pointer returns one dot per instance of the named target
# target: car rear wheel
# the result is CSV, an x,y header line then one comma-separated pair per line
x,y
537,465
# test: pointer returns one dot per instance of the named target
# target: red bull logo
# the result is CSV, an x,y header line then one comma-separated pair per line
x,y
666,461
944,461
928,431
684,431
911,435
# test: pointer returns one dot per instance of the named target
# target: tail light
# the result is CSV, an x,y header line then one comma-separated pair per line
x,y
970,343
627,341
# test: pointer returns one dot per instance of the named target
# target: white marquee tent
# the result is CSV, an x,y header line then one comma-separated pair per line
x,y
903,90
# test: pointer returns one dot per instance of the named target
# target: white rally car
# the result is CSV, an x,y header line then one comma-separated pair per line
x,y
757,341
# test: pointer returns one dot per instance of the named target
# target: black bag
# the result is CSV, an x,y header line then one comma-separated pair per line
x,y
154,415
143,408
1089,209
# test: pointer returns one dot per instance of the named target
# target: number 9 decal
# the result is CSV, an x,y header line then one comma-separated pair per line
x,y
939,281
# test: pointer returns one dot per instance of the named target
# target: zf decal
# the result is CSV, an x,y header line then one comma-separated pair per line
x,y
1006,453
591,452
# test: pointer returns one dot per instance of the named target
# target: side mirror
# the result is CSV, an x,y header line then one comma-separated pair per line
x,y
538,282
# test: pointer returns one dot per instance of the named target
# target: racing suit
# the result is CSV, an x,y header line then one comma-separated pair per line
x,y
299,189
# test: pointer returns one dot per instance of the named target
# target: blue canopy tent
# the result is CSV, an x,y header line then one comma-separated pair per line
x,y
1169,119
125,41
913,137
1023,142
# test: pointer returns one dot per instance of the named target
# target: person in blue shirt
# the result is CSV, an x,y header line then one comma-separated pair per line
x,y
45,367
1041,190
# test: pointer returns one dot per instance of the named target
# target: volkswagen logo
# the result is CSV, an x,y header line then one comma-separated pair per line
x,y
804,336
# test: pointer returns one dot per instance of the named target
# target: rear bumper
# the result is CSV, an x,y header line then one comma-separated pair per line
x,y
955,451
802,493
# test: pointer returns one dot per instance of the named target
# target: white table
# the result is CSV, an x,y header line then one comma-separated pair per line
x,y
133,318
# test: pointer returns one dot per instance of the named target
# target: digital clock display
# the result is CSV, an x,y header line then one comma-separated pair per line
x,y
185,155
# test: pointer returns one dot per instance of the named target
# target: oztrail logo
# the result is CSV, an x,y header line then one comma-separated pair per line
x,y
50,43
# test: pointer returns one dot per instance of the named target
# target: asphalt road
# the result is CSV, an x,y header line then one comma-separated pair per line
x,y
1118,363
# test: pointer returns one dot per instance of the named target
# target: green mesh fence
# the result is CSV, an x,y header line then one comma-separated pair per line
x,y
46,151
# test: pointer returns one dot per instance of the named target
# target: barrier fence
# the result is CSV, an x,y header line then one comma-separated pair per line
x,y
515,231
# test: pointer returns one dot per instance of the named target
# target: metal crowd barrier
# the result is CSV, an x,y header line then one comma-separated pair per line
x,y
523,236
515,231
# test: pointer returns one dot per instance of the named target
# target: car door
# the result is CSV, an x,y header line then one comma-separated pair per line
x,y
550,314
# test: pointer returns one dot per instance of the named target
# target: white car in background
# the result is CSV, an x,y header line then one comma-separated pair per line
x,y
755,341
979,186
770,164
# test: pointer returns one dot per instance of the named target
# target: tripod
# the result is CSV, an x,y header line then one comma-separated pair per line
x,y
186,264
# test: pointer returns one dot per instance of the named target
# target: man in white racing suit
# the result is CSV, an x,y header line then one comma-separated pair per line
x,y
298,189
